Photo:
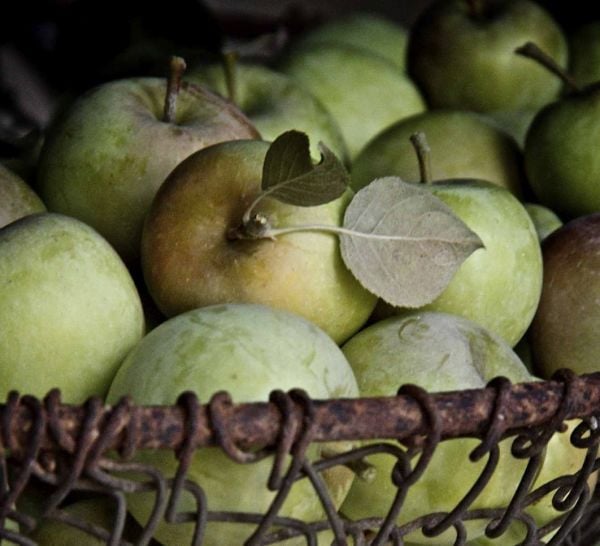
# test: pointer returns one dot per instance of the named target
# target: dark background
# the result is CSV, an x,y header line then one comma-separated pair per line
x,y
53,48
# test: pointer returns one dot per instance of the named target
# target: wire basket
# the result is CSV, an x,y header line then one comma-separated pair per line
x,y
91,450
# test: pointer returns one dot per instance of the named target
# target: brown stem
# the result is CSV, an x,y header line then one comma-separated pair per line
x,y
533,51
423,150
230,59
177,67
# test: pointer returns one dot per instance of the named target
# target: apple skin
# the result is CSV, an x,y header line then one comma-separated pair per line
x,y
465,61
274,103
497,286
248,350
17,199
564,331
439,352
100,511
366,30
364,92
104,159
189,262
561,159
490,154
545,220
70,309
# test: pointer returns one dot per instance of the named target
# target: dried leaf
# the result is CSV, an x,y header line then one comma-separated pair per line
x,y
404,243
290,176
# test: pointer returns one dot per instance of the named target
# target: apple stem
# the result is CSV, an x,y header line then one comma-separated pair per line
x,y
423,151
533,51
230,61
177,67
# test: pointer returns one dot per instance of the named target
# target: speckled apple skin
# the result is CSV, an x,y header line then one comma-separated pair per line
x,y
17,198
104,159
497,286
189,262
564,331
70,309
247,350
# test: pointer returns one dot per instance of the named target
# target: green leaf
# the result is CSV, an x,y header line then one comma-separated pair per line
x,y
404,244
290,176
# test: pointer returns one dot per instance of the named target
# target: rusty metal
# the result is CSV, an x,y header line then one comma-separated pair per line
x,y
66,447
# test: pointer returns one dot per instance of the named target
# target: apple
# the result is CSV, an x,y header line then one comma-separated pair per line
x,y
104,159
364,92
439,352
584,48
70,309
461,54
564,331
248,350
189,260
463,145
497,286
17,199
514,122
370,31
100,511
274,103
560,154
544,219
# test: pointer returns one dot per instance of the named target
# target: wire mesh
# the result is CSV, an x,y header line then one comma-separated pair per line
x,y
69,454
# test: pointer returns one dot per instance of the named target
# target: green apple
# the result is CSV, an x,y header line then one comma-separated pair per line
x,y
70,309
364,92
367,30
189,261
514,122
104,159
100,511
463,145
561,160
17,199
248,350
461,54
544,219
584,48
274,103
439,352
497,286
564,331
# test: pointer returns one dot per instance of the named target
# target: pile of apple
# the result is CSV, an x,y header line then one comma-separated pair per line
x,y
375,206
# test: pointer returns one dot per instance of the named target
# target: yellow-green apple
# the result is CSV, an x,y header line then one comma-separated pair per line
x,y
461,54
17,199
70,309
367,30
439,352
248,350
99,511
482,289
364,92
464,145
564,331
104,159
274,103
189,258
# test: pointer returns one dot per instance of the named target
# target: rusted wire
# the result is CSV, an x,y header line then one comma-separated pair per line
x,y
66,447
